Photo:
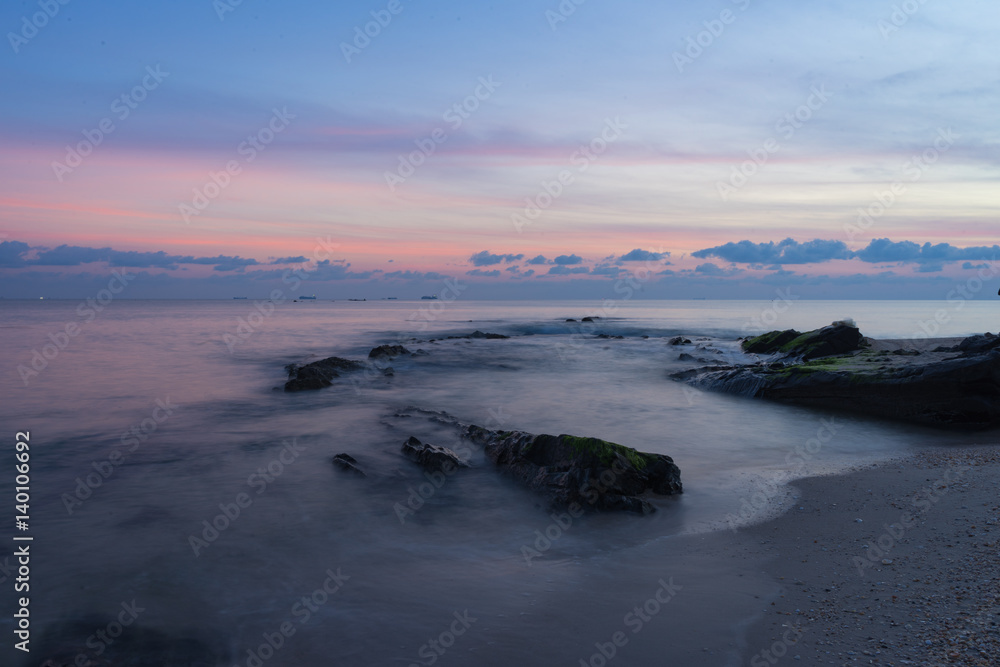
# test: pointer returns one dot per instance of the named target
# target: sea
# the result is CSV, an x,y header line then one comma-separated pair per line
x,y
183,505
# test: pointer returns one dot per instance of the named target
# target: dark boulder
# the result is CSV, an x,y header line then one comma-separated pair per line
x,y
318,374
432,457
387,352
770,342
348,463
838,338
679,340
586,472
978,344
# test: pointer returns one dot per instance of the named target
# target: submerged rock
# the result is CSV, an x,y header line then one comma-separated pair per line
x,y
348,463
318,374
588,472
480,334
679,340
387,352
432,457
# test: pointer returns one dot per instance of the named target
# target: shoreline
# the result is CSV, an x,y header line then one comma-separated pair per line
x,y
894,564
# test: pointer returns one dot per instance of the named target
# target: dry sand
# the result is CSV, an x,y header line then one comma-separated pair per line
x,y
892,565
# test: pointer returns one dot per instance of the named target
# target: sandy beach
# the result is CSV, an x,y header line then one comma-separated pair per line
x,y
896,564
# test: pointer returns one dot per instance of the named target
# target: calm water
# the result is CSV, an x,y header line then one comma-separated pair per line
x,y
224,424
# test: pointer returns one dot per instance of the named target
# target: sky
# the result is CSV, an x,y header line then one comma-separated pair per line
x,y
544,149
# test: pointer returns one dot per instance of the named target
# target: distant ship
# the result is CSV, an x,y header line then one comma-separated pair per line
x,y
355,299
429,298
308,298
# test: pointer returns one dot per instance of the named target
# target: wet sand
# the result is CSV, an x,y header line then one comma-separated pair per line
x,y
893,565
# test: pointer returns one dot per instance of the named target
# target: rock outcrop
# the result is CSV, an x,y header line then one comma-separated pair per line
x,y
589,473
318,374
948,386
838,338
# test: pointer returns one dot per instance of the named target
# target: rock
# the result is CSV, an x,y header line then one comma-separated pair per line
x,y
432,457
770,342
387,352
488,336
349,464
609,337
961,391
318,374
571,320
479,334
679,340
838,338
978,344
588,472
590,319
